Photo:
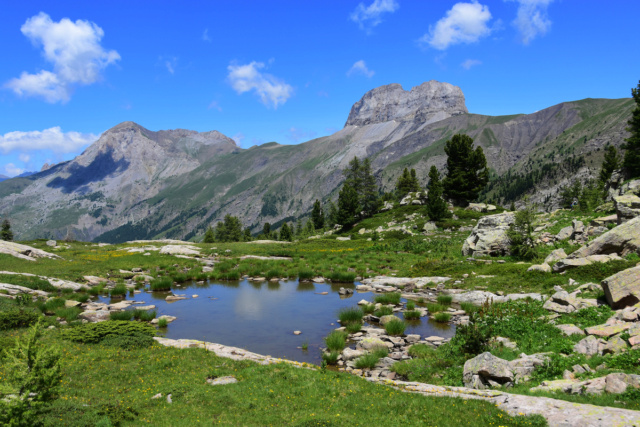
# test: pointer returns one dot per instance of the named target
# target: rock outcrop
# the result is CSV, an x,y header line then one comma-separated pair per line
x,y
489,236
622,240
627,207
623,288
430,102
24,251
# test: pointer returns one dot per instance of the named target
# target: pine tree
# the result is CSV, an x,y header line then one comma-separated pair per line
x,y
309,229
285,233
266,230
247,234
317,215
6,233
437,208
631,161
414,184
369,198
209,237
407,183
229,230
467,172
348,205
611,163
332,214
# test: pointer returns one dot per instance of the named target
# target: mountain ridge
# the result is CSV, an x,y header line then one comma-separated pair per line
x,y
175,183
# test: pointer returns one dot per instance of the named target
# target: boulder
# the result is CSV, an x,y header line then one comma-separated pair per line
x,y
606,330
349,354
623,288
524,365
180,250
371,343
388,318
52,243
554,256
565,233
23,251
489,236
588,346
94,315
627,207
566,264
429,227
479,371
605,220
615,345
570,329
622,240
544,268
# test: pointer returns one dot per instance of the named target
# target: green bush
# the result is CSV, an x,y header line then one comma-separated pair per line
x,y
350,315
17,318
336,341
390,298
161,284
395,327
555,366
95,332
128,342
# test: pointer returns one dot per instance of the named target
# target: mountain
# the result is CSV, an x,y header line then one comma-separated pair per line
x,y
3,177
134,183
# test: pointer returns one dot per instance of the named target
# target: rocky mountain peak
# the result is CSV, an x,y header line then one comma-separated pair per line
x,y
430,102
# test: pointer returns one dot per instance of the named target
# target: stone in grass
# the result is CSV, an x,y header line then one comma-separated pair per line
x,y
222,380
615,345
588,346
570,329
544,268
485,370
607,330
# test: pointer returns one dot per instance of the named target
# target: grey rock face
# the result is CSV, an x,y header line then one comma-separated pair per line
x,y
430,102
627,207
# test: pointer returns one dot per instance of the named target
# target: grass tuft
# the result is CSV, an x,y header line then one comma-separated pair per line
x,y
336,340
395,327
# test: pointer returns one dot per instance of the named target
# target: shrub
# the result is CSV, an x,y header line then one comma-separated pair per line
x,y
412,315
444,299
390,298
354,327
336,341
118,291
128,342
161,284
395,327
442,317
350,315
383,311
95,332
17,318
33,376
121,315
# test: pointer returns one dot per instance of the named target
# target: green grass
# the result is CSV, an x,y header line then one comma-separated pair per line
x,y
468,307
118,290
411,305
442,317
444,299
368,308
342,276
411,315
121,315
395,327
331,358
336,340
435,307
354,327
350,315
162,322
369,360
383,311
161,284
389,298
144,315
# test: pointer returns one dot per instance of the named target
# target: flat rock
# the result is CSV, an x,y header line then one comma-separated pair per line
x,y
622,240
544,268
222,380
554,256
25,252
623,288
180,250
605,330
570,329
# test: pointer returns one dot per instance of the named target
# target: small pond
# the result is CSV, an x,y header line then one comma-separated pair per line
x,y
261,317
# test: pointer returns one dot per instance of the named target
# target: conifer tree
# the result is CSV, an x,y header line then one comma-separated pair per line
x,y
407,183
285,233
348,205
209,236
317,215
6,233
369,198
266,230
611,163
467,172
229,230
436,206
631,161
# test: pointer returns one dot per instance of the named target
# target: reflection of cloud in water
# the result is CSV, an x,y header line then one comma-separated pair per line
x,y
249,305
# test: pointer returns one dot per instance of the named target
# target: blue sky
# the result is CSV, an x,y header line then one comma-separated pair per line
x,y
288,71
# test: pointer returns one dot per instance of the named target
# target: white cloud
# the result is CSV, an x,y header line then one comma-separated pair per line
x,y
12,170
215,105
24,157
360,67
238,137
271,90
532,19
171,63
74,50
464,23
205,35
368,17
470,63
49,139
